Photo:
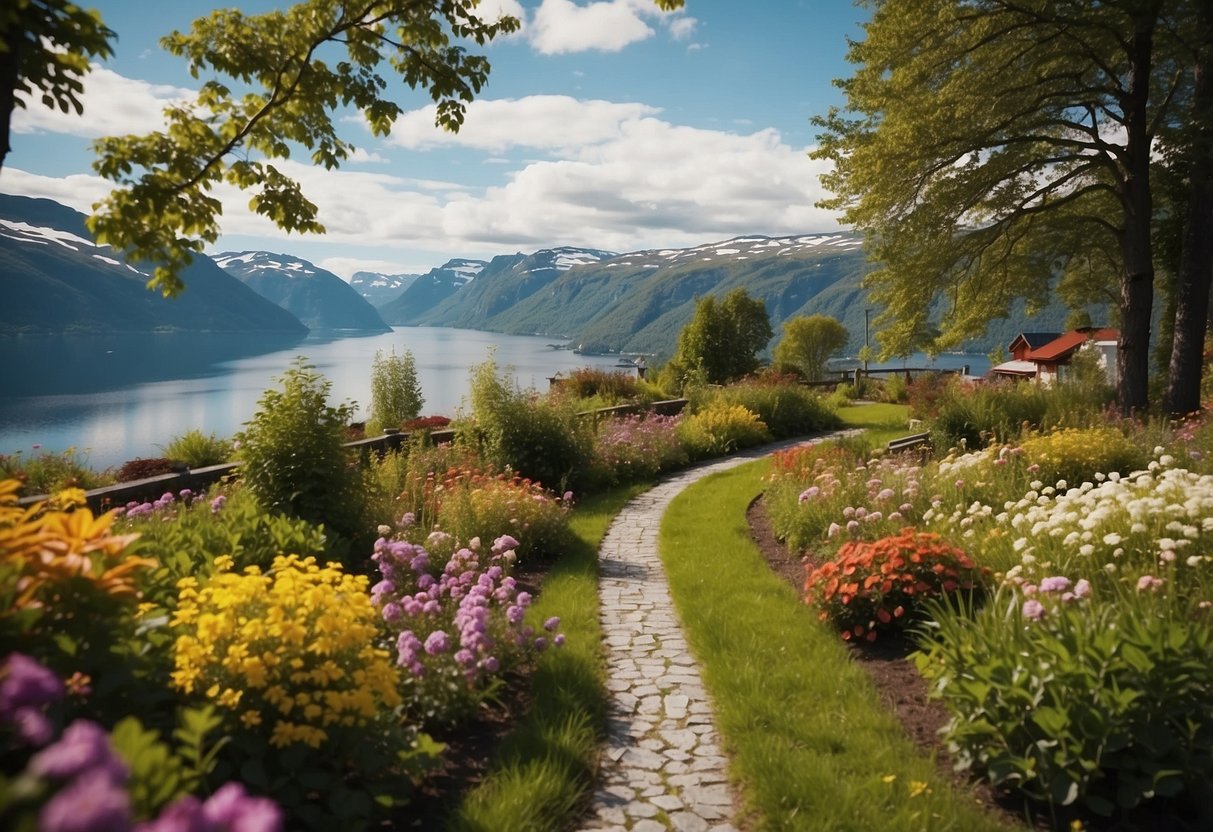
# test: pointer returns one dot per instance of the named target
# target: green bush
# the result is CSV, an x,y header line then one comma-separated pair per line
x,y
1098,703
721,429
198,450
974,415
539,438
45,473
787,409
1078,454
184,537
292,456
395,392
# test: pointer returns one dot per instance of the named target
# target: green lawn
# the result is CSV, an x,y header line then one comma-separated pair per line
x,y
811,747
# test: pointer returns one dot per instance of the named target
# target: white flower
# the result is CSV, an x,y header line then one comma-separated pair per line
x,y
1166,544
1086,550
1167,556
1194,560
1167,460
1111,539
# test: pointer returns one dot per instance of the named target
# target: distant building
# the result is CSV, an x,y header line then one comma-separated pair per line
x,y
1044,356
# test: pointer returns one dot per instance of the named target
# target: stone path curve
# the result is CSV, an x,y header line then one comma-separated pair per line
x,y
662,767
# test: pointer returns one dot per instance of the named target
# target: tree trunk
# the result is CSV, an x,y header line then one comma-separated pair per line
x,y
10,74
1196,259
1137,283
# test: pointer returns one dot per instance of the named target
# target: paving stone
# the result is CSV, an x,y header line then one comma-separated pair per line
x,y
664,753
640,809
687,822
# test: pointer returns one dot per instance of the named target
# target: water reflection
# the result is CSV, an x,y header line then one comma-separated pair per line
x,y
121,396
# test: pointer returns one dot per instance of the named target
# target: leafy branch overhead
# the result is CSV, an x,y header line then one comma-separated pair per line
x,y
300,65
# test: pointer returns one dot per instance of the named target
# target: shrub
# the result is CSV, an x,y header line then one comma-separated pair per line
x,y
395,391
184,535
721,429
787,409
1077,454
458,623
426,423
292,455
541,439
139,469
1095,702
45,473
973,415
198,450
294,661
636,448
611,386
466,504
830,492
876,586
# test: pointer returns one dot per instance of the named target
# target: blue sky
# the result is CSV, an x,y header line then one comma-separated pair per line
x,y
605,124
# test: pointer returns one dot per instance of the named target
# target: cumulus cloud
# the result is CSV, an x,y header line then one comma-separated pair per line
x,y
113,105
545,122
563,26
77,191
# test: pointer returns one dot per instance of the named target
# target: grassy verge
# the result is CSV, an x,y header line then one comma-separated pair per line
x,y
545,767
809,742
883,421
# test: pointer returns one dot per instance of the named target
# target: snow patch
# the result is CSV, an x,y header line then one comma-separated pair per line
x,y
54,235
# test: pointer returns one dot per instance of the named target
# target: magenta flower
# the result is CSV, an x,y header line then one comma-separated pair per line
x,y
96,801
234,809
27,684
551,624
1055,584
83,747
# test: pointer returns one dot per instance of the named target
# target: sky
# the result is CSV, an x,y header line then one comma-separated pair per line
x,y
606,124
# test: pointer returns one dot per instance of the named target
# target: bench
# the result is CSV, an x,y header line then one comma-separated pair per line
x,y
905,443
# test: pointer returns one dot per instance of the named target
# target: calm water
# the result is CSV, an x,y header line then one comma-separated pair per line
x,y
120,397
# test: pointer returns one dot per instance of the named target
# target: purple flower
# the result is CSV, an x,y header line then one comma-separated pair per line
x,y
490,664
232,808
524,599
552,623
95,801
465,658
83,746
218,503
541,644
568,497
1033,610
437,642
559,640
514,614
185,815
504,544
1082,588
392,612
407,520
27,684
1055,584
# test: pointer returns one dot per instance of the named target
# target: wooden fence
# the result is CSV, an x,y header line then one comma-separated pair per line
x,y
199,479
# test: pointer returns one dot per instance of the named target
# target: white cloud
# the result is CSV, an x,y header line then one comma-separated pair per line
x,y
546,122
361,155
561,26
113,105
77,191
345,267
681,27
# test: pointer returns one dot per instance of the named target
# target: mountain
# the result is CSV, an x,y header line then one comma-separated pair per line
x,y
380,288
316,296
54,279
428,290
506,281
639,302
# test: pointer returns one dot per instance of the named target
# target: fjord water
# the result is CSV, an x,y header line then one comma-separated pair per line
x,y
119,397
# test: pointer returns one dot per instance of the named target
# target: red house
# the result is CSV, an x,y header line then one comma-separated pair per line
x,y
1043,355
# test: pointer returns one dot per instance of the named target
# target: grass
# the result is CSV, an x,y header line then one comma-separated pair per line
x,y
810,745
545,768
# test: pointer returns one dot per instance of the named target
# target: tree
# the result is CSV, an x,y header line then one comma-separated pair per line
x,y
298,66
45,46
395,391
809,341
990,145
722,340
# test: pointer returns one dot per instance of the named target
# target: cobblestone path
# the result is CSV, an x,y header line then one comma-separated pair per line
x,y
663,767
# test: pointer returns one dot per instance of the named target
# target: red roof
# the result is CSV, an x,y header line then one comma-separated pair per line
x,y
1061,347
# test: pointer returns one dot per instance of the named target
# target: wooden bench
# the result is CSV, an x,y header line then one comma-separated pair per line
x,y
905,443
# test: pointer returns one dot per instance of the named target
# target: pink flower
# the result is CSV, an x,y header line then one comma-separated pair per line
x,y
833,530
1082,588
1148,582
1033,610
